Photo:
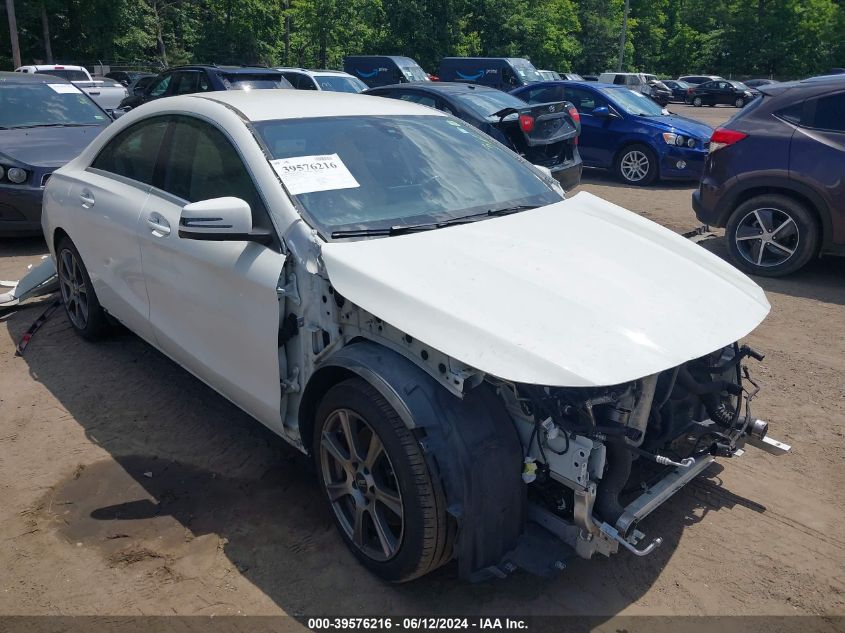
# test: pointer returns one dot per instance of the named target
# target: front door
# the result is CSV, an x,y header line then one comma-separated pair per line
x,y
213,304
598,140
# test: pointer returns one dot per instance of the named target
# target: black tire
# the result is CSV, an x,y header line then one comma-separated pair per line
x,y
631,154
422,544
787,226
697,102
82,306
739,103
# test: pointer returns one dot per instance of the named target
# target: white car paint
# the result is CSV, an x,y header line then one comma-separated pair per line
x,y
106,94
579,293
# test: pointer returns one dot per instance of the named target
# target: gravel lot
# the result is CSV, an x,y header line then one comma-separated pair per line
x,y
130,488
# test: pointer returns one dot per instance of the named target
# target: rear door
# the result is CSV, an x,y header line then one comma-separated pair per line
x,y
214,308
817,154
110,203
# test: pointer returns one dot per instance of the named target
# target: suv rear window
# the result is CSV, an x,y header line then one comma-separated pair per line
x,y
830,113
791,113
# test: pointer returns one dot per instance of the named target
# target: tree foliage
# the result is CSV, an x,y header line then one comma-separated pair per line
x,y
783,38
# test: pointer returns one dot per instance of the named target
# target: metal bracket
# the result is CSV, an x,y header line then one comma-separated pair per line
x,y
291,384
768,444
290,290
611,532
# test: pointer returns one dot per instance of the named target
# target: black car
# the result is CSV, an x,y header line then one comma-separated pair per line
x,y
723,91
183,80
659,92
545,134
139,85
681,90
774,177
695,80
127,77
44,122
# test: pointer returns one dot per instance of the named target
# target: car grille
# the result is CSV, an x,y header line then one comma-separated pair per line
x,y
45,178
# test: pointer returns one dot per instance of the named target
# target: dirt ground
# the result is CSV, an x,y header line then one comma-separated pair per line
x,y
127,487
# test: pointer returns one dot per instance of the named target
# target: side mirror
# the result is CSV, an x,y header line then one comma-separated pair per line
x,y
602,112
221,220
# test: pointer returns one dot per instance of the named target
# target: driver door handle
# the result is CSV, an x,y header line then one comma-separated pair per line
x,y
159,226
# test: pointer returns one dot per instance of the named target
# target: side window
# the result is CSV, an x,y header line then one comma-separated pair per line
x,y
707,85
619,80
204,84
185,83
633,80
133,152
416,97
202,164
160,87
584,101
544,95
830,113
791,113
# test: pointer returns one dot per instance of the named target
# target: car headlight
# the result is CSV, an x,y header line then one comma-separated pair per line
x,y
670,138
16,175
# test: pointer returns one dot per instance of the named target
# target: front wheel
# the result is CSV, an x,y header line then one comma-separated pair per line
x,y
637,165
740,102
81,303
771,235
389,511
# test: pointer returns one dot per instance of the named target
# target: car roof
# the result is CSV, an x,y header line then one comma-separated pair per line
x,y
820,83
265,105
23,78
318,72
570,82
54,67
229,70
445,87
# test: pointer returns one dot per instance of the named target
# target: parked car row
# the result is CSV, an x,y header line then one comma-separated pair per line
x,y
107,93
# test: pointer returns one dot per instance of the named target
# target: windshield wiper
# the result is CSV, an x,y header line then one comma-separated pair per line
x,y
430,226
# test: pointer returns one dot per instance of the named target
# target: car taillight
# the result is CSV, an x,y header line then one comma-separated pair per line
x,y
722,137
574,114
526,123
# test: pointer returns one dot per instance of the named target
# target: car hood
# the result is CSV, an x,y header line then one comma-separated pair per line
x,y
578,293
682,125
46,146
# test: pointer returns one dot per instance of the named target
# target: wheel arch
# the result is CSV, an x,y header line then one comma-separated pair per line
x,y
470,445
58,235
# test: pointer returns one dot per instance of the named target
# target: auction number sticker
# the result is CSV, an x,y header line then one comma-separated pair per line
x,y
64,88
306,174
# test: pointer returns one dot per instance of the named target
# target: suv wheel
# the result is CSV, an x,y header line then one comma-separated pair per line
x,y
697,102
771,235
387,507
81,303
740,102
636,165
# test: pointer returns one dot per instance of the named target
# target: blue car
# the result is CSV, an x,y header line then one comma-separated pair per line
x,y
627,132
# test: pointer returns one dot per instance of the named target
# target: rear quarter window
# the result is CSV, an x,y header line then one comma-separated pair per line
x,y
829,113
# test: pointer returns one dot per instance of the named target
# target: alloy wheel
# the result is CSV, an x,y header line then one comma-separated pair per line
x,y
767,237
697,102
74,292
739,102
361,484
634,165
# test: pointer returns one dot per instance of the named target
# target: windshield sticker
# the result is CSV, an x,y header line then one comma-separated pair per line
x,y
306,174
64,88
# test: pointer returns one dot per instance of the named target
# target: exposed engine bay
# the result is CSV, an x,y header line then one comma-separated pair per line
x,y
601,459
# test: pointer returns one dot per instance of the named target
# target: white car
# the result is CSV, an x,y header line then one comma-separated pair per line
x,y
106,93
330,80
481,369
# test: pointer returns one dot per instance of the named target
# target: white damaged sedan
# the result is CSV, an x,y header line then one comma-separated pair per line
x,y
480,368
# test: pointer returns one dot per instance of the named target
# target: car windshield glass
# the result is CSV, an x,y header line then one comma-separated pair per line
x,y
339,83
526,71
488,102
38,104
632,102
70,75
414,73
738,85
241,81
378,172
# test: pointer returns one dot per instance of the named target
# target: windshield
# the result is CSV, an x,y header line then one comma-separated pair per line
x,y
264,81
632,102
377,172
526,71
339,83
414,73
70,75
739,85
37,104
488,102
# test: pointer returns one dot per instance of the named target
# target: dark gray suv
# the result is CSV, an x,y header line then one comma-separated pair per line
x,y
774,177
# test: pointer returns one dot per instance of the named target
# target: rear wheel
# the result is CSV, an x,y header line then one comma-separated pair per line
x,y
697,102
772,235
385,504
81,303
636,165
